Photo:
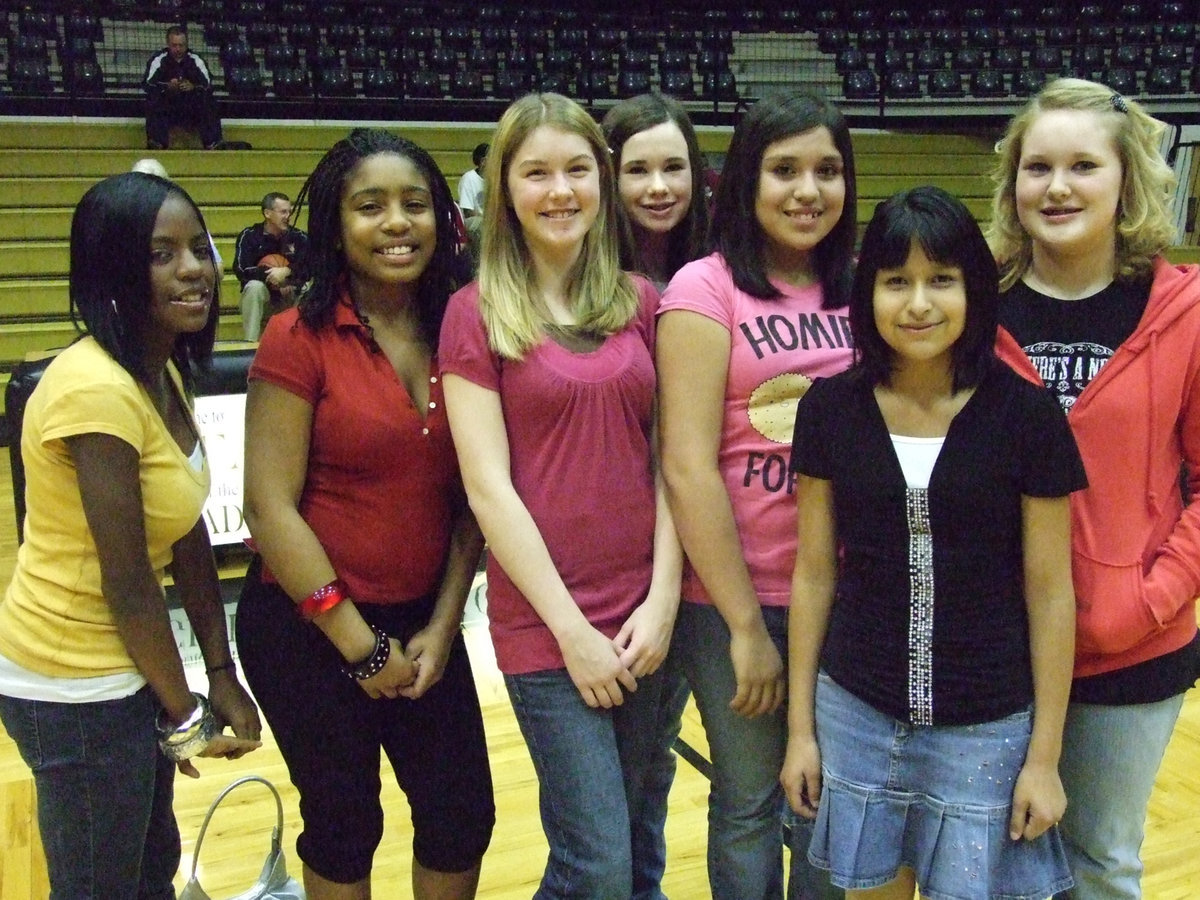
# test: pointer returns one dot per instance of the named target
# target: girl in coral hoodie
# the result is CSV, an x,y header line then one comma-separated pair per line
x,y
1079,224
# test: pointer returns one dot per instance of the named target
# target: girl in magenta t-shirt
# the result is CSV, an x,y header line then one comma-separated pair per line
x,y
550,389
743,333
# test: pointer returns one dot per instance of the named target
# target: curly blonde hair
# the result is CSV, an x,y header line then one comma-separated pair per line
x,y
1144,225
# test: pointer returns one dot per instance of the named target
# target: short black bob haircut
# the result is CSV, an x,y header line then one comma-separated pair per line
x,y
735,230
948,234
448,269
111,232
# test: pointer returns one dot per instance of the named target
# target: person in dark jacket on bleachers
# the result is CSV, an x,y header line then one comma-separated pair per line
x,y
270,263
179,91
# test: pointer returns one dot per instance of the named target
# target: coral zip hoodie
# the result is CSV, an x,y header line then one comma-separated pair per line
x,y
1135,547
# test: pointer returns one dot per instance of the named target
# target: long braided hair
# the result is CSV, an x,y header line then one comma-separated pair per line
x,y
322,194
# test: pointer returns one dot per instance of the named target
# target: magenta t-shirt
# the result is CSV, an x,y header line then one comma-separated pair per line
x,y
777,348
579,429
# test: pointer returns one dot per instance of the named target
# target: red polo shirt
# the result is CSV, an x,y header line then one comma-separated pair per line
x,y
382,480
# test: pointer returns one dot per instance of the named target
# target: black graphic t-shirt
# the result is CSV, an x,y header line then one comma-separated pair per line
x,y
1069,341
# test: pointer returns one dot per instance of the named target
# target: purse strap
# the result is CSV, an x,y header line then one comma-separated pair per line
x,y
276,832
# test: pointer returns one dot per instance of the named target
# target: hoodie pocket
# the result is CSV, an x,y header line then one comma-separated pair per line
x,y
1111,611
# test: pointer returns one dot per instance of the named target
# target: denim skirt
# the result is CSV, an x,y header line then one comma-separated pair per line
x,y
934,798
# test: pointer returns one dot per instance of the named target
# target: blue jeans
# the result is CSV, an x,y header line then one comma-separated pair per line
x,y
1110,759
649,828
649,836
746,803
104,794
591,766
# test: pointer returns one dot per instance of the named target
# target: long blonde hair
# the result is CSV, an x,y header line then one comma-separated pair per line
x,y
602,297
1144,226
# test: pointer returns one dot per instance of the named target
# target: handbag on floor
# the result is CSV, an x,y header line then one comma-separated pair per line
x,y
273,883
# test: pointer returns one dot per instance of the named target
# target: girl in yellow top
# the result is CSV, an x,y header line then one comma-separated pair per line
x,y
92,687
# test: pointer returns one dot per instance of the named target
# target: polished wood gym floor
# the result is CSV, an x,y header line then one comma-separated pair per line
x,y
238,835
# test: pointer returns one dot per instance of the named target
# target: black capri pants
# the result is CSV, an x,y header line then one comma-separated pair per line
x,y
330,734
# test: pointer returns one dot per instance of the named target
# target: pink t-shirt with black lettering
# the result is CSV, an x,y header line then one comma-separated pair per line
x,y
777,348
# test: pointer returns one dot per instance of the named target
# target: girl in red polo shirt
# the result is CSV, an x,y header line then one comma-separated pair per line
x,y
348,626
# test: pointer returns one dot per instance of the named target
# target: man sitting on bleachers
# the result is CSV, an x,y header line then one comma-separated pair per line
x,y
179,91
270,263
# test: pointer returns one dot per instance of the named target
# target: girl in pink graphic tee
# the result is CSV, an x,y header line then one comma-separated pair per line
x,y
742,334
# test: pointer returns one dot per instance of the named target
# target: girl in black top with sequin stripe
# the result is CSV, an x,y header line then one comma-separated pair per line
x,y
932,591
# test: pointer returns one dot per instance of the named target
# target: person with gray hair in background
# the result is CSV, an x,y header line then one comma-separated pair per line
x,y
270,263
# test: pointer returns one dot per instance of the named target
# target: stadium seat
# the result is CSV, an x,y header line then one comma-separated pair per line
x,y
946,38
342,35
945,84
1088,62
280,54
1048,60
891,60
1008,59
1164,80
860,85
850,60
967,59
1129,56
323,56
37,22
237,53
831,40
360,58
711,61
458,37
902,84
596,84
511,83
872,39
467,84
83,25
632,82
988,83
678,83
673,61
260,34
30,76
423,84
290,82
557,83
335,81
929,60
443,60
1121,80
86,79
720,85
381,82
244,81
1028,82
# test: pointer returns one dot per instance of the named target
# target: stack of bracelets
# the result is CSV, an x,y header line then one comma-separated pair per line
x,y
190,736
326,598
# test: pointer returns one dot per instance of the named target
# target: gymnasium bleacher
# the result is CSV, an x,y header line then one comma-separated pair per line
x,y
928,87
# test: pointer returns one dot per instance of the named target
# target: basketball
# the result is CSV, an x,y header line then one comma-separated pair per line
x,y
275,261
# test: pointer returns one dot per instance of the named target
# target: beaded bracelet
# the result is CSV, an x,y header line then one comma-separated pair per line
x,y
321,600
373,664
213,670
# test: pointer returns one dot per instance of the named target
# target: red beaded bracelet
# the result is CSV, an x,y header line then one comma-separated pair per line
x,y
321,600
